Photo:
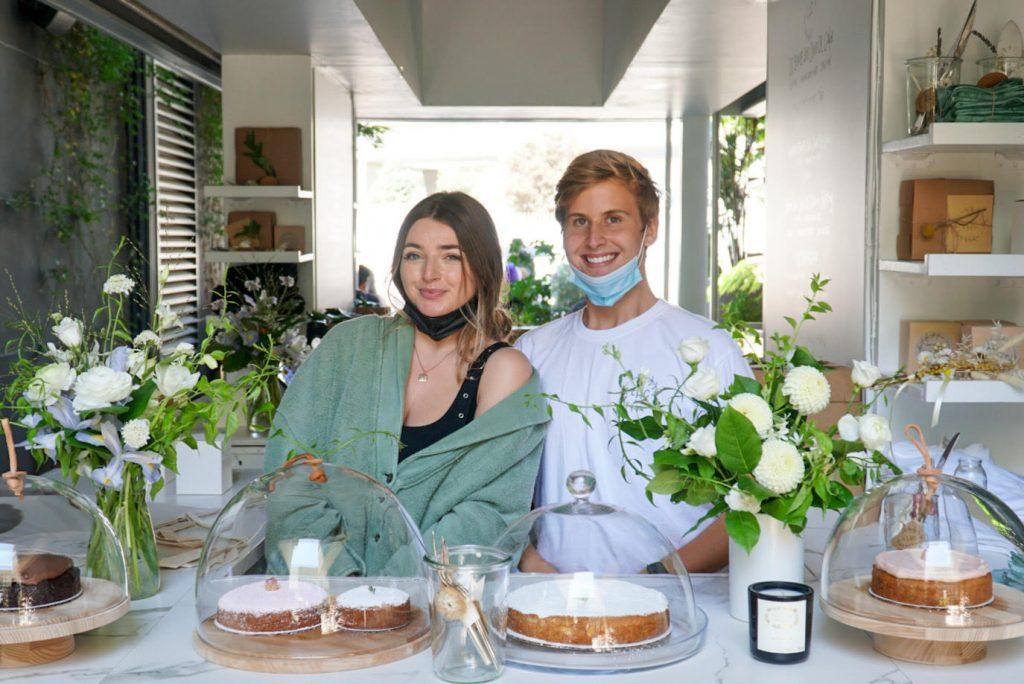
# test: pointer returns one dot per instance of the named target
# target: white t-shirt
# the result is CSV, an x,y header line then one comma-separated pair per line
x,y
571,363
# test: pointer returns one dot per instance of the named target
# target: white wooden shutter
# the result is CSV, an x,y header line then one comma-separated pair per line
x,y
175,237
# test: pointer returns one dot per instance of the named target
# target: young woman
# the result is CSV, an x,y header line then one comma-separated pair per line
x,y
431,402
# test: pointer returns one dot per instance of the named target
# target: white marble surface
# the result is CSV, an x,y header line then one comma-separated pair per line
x,y
153,643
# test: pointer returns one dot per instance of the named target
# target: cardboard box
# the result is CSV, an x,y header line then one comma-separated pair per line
x,y
933,212
242,234
289,238
981,334
919,336
281,148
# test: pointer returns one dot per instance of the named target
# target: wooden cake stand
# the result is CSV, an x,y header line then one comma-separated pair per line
x,y
40,635
311,651
922,635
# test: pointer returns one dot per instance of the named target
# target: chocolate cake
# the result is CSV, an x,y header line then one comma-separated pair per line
x,y
271,607
373,608
39,580
587,612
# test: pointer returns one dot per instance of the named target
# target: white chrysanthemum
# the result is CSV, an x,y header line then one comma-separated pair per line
x,y
702,441
118,284
135,433
146,337
807,389
781,468
755,409
739,500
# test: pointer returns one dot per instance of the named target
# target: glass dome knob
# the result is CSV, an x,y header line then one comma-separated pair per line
x,y
581,484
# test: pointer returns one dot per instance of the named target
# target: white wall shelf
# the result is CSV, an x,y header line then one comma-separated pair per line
x,y
1005,138
255,257
292,192
972,392
960,265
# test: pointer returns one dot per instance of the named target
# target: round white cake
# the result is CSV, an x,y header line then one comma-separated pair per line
x,y
271,607
371,607
587,611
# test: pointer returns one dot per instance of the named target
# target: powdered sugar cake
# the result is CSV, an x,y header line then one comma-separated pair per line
x,y
932,578
271,607
373,608
589,612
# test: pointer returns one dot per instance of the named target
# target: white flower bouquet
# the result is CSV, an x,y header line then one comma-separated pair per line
x,y
750,447
103,404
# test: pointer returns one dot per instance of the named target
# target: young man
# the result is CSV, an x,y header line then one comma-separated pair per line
x,y
607,206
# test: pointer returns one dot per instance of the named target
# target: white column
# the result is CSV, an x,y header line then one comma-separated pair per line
x,y
696,213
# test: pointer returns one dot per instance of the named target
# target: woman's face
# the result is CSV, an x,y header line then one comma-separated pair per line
x,y
436,279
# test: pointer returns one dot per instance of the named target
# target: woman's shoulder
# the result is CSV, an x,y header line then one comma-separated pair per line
x,y
360,327
506,371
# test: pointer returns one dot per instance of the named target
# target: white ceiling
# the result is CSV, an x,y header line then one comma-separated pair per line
x,y
699,56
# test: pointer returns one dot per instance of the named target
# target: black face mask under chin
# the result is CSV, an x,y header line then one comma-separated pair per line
x,y
439,327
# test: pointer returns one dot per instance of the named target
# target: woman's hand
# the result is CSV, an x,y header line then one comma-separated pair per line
x,y
534,562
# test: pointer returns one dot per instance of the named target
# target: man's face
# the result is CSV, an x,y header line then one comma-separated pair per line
x,y
603,228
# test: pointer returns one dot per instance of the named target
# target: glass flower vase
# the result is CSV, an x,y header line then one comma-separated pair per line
x,y
259,413
128,513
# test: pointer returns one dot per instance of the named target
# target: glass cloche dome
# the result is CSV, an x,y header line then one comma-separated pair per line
x,y
62,570
598,588
930,552
315,566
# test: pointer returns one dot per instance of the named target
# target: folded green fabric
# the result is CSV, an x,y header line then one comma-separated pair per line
x,y
965,102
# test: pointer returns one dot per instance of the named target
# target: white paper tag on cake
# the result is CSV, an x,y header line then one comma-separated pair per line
x,y
937,555
781,626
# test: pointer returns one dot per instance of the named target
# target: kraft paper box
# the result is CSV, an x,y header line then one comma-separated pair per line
x,y
289,238
238,237
981,334
924,213
919,336
280,147
969,230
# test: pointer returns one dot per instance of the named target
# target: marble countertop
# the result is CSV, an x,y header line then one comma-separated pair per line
x,y
153,643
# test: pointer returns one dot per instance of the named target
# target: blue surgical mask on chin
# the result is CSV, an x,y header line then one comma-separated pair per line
x,y
606,290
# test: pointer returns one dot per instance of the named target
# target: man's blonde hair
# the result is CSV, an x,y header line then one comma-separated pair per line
x,y
598,166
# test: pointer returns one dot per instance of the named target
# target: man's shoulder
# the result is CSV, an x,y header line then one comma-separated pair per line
x,y
544,333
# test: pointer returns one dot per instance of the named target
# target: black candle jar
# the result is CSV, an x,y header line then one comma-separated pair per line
x,y
780,621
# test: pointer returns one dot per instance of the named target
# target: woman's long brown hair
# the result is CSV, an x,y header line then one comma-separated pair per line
x,y
481,251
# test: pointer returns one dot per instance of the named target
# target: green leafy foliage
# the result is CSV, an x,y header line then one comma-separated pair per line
x,y
533,299
743,528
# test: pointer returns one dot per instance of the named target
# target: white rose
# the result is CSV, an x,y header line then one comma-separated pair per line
x,y
739,500
849,429
702,441
694,349
101,387
139,362
755,409
701,385
865,374
58,377
69,332
807,390
174,378
38,394
874,431
781,467
146,337
118,284
135,433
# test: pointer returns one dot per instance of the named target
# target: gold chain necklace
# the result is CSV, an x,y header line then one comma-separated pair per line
x,y
423,369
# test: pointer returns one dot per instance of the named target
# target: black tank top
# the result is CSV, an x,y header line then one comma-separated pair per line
x,y
460,413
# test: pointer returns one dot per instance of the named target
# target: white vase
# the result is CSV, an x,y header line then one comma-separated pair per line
x,y
777,556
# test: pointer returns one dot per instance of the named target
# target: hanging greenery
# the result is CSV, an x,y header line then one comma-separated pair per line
x,y
93,100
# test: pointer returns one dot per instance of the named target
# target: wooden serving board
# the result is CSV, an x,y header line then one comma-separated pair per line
x,y
311,651
101,603
923,635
